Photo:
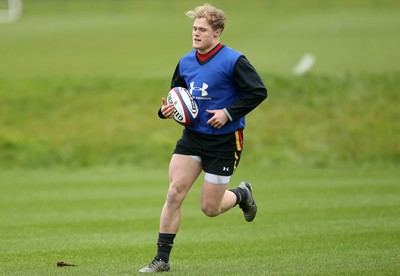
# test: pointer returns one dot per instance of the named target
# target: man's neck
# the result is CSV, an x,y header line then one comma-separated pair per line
x,y
204,52
203,57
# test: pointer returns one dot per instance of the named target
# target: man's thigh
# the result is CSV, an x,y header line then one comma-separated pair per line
x,y
183,171
212,194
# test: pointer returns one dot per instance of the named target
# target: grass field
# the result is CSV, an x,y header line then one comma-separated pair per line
x,y
146,38
104,221
79,82
83,156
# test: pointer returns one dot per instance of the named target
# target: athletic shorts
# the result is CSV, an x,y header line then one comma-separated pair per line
x,y
220,154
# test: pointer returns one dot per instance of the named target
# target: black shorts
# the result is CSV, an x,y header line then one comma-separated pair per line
x,y
220,154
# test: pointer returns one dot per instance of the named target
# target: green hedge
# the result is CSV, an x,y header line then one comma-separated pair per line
x,y
313,120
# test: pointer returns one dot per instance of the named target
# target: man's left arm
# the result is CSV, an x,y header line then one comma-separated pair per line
x,y
252,86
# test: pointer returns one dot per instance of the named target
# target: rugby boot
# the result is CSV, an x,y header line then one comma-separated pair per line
x,y
249,206
157,265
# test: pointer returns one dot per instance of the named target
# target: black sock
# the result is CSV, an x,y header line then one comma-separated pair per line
x,y
241,195
164,246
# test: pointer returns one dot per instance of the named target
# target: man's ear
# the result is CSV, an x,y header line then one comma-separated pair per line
x,y
217,32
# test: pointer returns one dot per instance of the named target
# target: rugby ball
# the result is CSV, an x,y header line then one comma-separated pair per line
x,y
186,109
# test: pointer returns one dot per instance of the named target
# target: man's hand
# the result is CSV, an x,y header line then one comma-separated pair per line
x,y
218,119
167,110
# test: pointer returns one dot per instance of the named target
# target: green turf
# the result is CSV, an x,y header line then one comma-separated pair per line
x,y
146,38
105,221
313,121
80,82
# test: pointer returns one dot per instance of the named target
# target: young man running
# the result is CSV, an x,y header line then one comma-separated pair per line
x,y
226,87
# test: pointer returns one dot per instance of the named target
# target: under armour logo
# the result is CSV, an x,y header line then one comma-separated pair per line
x,y
225,169
202,89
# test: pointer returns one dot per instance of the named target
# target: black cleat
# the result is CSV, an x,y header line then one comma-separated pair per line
x,y
157,265
248,207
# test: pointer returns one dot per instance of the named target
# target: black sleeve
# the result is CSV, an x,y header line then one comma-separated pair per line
x,y
252,86
177,80
161,115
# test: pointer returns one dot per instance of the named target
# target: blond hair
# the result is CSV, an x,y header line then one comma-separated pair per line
x,y
215,17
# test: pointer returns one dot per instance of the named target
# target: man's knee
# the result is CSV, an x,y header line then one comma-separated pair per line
x,y
210,210
174,195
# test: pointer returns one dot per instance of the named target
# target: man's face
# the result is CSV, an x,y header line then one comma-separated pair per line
x,y
204,38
